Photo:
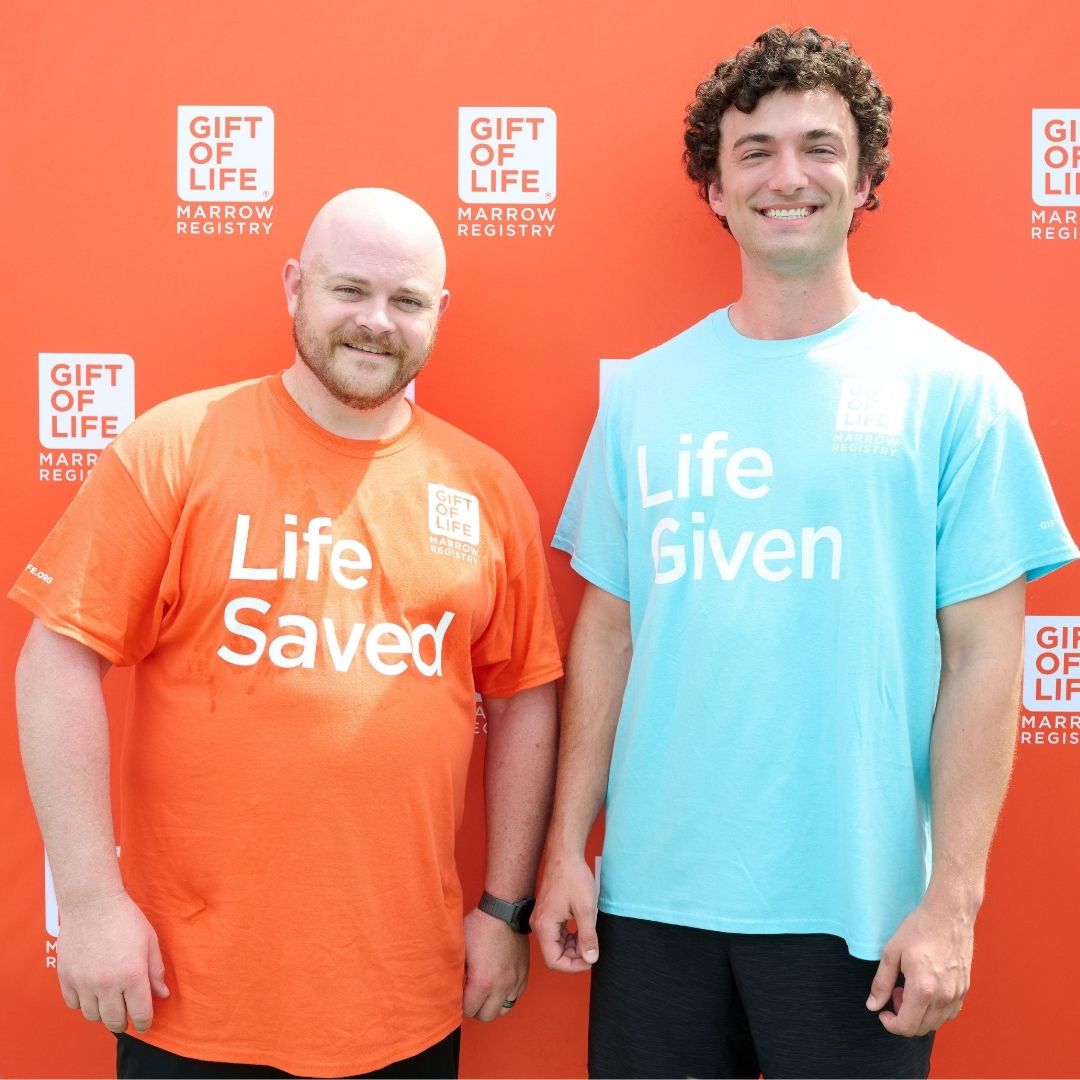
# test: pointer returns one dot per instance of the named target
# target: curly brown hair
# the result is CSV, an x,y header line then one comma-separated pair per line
x,y
782,59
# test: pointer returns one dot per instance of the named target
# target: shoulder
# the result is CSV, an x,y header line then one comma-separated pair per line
x,y
441,436
458,457
158,447
657,370
933,346
180,418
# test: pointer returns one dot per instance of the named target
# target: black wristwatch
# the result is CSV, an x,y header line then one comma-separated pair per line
x,y
514,913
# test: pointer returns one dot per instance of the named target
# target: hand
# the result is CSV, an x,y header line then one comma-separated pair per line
x,y
568,892
932,949
109,962
496,966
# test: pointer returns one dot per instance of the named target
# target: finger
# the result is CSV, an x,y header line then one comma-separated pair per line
x,y
884,980
89,1004
588,945
939,1013
70,995
908,1019
491,1008
112,1010
473,998
156,971
550,936
139,1004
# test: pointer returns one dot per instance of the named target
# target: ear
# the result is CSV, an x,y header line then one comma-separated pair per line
x,y
716,198
862,190
444,303
290,278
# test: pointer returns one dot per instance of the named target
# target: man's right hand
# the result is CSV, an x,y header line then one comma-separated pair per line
x,y
109,962
568,893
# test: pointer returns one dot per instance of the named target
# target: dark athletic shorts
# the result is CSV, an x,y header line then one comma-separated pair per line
x,y
676,1001
135,1058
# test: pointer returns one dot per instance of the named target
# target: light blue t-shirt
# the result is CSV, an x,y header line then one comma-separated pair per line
x,y
785,518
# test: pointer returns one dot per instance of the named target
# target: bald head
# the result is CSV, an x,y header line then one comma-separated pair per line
x,y
366,296
386,223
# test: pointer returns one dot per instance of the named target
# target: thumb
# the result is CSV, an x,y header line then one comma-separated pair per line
x,y
587,941
884,980
156,971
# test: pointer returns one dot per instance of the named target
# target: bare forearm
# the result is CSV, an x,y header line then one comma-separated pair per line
x,y
519,779
597,669
64,738
972,744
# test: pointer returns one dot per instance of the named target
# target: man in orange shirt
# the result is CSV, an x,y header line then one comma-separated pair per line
x,y
312,577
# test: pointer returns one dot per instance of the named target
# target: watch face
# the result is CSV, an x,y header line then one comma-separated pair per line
x,y
520,922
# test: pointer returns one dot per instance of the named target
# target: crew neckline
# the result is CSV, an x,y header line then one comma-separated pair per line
x,y
355,448
733,341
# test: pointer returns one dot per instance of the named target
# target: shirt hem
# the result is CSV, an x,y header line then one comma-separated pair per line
x,y
582,569
40,610
540,678
296,1066
1034,566
861,950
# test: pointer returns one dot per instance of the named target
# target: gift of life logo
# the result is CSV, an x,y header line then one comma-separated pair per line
x,y
1051,700
870,417
84,401
506,171
1055,173
224,169
453,523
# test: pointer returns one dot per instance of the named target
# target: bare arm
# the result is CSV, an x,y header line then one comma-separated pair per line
x,y
597,669
519,777
108,957
971,754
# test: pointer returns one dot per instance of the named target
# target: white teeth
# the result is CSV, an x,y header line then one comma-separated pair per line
x,y
363,348
795,212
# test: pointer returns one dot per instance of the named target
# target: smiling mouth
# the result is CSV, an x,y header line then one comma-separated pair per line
x,y
792,213
372,350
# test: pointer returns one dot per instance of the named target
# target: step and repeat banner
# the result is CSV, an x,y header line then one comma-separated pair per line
x,y
160,163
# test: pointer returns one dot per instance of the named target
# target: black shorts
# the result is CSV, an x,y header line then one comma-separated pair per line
x,y
677,1001
135,1058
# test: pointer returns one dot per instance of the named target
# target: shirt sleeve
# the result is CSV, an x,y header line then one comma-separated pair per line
x,y
997,515
593,526
525,639
97,577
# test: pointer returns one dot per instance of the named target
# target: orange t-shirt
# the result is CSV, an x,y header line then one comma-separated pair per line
x,y
309,616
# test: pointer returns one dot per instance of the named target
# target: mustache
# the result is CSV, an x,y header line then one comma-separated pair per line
x,y
383,342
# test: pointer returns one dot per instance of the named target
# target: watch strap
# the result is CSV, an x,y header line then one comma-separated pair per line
x,y
515,913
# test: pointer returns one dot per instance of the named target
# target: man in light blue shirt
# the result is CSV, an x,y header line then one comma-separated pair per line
x,y
805,524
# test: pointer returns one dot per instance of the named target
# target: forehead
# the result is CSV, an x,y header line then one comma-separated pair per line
x,y
787,114
377,252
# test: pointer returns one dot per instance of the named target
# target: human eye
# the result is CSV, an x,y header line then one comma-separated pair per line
x,y
410,302
346,290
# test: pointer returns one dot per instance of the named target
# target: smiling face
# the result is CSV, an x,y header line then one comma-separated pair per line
x,y
366,296
789,180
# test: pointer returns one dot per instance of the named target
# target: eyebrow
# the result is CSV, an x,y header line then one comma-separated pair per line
x,y
413,288
809,136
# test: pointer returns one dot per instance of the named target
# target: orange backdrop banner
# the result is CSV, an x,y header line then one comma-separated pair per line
x,y
162,162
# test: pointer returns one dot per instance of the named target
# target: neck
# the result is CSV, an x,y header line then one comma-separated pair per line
x,y
382,422
775,305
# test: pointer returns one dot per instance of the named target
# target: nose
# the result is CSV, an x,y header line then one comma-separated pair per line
x,y
374,316
788,174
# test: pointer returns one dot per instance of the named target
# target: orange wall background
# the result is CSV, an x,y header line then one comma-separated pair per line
x,y
368,94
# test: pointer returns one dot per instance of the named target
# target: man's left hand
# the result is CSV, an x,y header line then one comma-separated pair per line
x,y
932,949
496,966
